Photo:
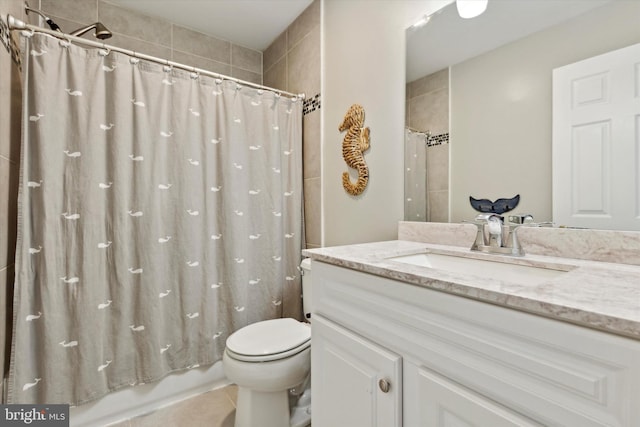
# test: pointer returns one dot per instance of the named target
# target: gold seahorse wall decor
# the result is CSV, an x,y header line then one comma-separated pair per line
x,y
355,143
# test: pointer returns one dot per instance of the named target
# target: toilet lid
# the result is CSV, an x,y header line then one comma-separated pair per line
x,y
269,337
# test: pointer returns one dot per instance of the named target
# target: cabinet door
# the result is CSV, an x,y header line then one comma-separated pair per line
x,y
443,403
346,372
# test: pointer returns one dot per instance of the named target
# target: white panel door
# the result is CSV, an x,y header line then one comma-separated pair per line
x,y
444,403
596,141
347,371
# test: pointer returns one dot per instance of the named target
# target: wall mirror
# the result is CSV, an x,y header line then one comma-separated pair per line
x,y
479,99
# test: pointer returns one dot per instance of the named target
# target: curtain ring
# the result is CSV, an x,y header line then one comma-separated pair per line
x,y
65,42
167,67
27,33
133,60
195,75
104,51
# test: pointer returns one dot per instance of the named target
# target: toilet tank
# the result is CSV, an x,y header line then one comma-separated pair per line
x,y
305,267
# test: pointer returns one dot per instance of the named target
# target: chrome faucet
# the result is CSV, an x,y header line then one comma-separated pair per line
x,y
494,236
494,227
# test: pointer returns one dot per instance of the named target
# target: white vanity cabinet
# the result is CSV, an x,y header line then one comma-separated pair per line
x,y
358,381
440,401
456,361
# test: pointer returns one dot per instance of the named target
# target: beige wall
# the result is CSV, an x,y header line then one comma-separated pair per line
x,y
363,62
427,110
501,109
292,63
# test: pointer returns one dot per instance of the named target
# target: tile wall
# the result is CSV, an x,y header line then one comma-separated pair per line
x,y
427,109
292,63
157,37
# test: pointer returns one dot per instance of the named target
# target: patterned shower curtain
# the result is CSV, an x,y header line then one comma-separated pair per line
x,y
415,176
159,211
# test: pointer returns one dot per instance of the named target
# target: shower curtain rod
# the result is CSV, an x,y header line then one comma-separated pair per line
x,y
16,24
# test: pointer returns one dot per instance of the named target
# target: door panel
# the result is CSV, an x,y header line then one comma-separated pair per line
x,y
444,403
346,372
596,141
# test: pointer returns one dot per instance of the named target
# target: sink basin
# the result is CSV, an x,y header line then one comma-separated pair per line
x,y
514,273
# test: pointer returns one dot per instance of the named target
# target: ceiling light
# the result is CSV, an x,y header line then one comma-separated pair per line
x,y
471,8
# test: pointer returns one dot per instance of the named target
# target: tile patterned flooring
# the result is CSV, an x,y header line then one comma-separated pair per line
x,y
216,408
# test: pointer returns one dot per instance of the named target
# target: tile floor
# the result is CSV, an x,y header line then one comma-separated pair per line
x,y
216,408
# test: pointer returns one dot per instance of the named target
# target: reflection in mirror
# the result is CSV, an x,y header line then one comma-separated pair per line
x,y
497,103
415,175
427,149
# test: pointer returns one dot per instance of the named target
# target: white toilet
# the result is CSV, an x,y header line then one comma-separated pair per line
x,y
267,359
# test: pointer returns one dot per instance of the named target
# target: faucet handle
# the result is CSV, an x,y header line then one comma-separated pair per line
x,y
486,217
480,239
479,219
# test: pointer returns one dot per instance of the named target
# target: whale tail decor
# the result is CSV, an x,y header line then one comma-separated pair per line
x,y
499,207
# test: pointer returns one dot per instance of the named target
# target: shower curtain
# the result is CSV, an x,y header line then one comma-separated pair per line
x,y
415,176
159,211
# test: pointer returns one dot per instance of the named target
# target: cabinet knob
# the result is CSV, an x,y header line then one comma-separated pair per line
x,y
384,385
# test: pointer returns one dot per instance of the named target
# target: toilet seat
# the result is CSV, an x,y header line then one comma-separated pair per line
x,y
269,340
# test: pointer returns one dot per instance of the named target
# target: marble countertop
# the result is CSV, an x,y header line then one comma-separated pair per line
x,y
599,295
